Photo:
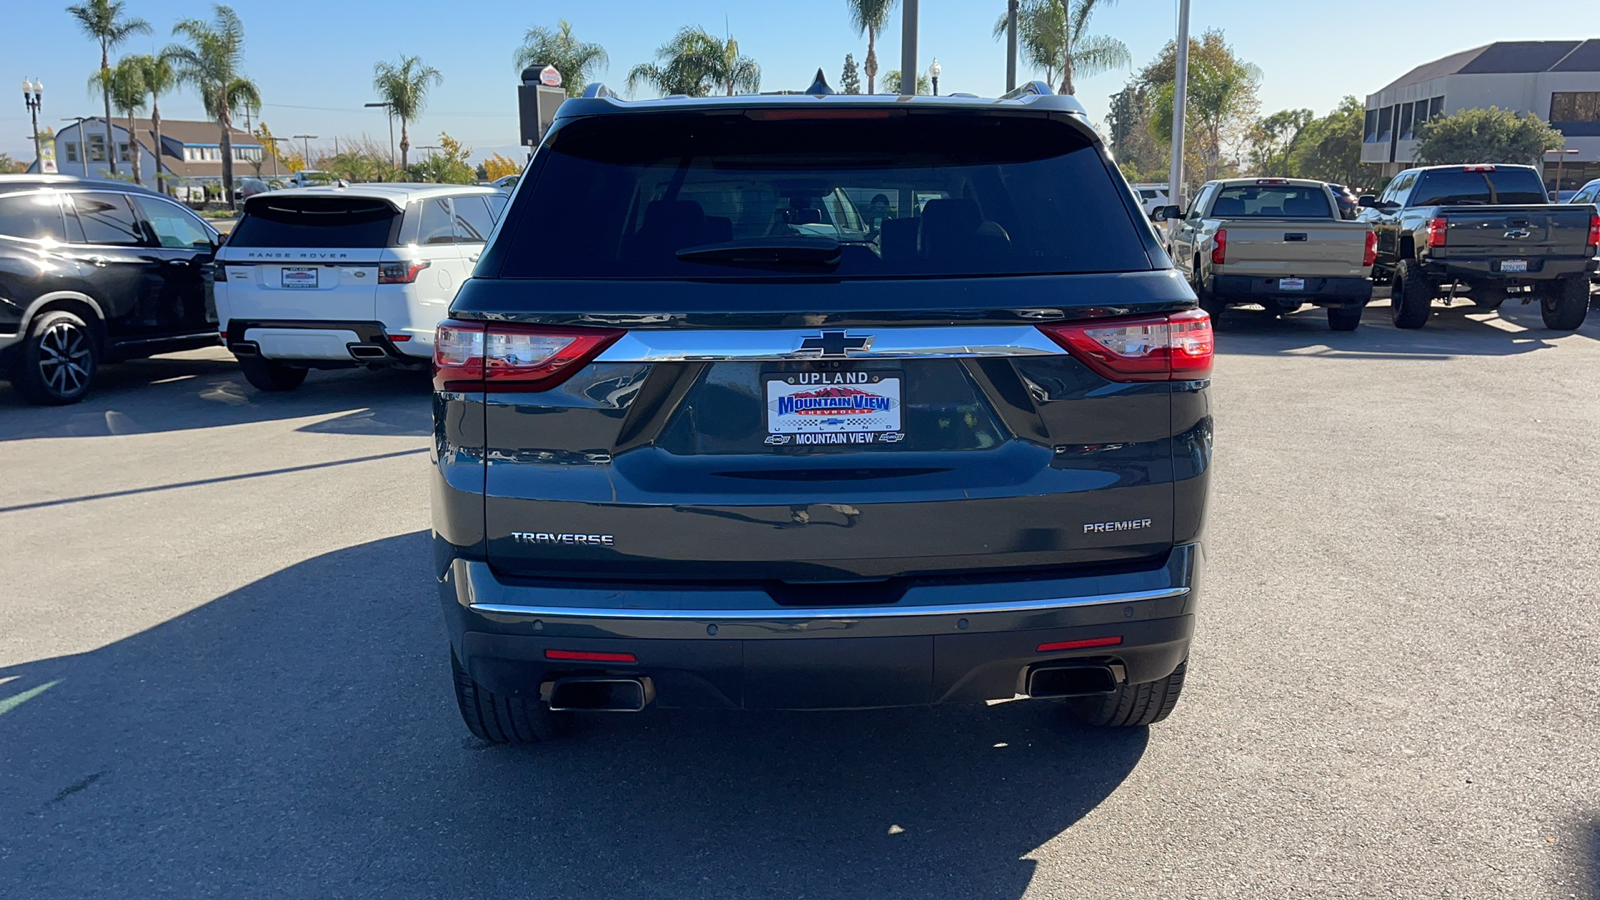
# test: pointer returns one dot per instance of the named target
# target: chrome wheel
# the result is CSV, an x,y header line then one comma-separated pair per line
x,y
66,359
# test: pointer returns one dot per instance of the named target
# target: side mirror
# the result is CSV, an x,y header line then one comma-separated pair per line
x,y
1165,214
1367,200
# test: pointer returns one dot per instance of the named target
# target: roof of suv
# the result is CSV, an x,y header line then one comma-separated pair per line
x,y
398,194
28,182
597,99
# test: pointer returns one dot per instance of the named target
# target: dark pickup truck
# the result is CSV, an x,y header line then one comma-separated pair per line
x,y
1488,230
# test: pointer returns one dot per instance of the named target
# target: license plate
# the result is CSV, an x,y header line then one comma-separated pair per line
x,y
300,278
1514,265
1291,284
805,408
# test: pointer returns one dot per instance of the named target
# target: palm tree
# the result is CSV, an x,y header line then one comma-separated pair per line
x,y
578,62
158,78
124,84
405,89
1052,36
870,17
695,63
891,83
210,64
103,21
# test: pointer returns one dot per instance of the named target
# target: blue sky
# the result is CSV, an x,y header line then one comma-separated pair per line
x,y
313,61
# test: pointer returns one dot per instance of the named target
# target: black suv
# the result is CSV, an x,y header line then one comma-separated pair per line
x,y
94,271
820,402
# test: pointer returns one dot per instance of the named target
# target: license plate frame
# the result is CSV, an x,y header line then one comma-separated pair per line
x,y
1291,284
1514,266
299,278
868,409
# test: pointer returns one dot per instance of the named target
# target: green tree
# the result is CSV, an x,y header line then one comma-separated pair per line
x,y
1133,143
103,21
1329,148
158,78
1223,92
869,17
448,166
579,62
210,63
850,78
405,88
1490,135
9,166
696,63
124,84
891,83
1053,36
1273,141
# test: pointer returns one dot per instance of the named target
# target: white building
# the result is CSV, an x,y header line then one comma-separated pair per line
x,y
191,152
1558,81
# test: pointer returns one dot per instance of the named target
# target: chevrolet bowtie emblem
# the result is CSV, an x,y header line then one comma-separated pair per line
x,y
834,343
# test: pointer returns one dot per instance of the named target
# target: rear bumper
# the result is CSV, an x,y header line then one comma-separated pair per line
x,y
1352,291
1488,268
736,648
323,343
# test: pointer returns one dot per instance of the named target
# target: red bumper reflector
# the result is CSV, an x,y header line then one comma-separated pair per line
x,y
1079,645
593,656
399,338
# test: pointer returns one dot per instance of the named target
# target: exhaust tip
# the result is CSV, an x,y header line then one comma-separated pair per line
x,y
367,351
244,348
1072,681
601,694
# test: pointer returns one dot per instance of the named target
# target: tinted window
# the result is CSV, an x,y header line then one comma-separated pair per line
x,y
497,205
1458,187
317,222
106,219
1243,201
173,225
434,222
33,215
977,195
473,222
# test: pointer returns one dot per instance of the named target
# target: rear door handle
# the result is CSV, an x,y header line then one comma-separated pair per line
x,y
96,261
179,262
474,257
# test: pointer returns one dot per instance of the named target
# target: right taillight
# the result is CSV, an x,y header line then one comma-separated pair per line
x,y
1438,231
1176,347
399,272
1370,255
498,356
1594,230
1219,248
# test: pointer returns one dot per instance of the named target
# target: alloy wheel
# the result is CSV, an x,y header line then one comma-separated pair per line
x,y
64,359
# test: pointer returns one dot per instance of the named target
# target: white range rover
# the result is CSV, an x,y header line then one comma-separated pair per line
x,y
335,277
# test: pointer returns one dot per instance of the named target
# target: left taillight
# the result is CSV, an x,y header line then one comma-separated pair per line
x,y
1370,255
399,272
496,356
1176,347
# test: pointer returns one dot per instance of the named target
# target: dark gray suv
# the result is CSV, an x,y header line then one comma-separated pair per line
x,y
820,402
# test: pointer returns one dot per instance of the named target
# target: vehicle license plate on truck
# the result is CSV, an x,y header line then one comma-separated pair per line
x,y
1514,265
1291,284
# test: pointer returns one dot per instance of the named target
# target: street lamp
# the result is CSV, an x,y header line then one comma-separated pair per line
x,y
83,145
1561,158
305,147
390,111
933,73
33,96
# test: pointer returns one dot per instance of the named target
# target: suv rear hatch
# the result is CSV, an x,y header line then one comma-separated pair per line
x,y
823,398
301,257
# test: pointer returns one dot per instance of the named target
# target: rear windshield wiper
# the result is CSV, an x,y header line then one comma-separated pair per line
x,y
803,251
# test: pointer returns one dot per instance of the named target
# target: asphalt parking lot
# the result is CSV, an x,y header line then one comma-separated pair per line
x,y
222,670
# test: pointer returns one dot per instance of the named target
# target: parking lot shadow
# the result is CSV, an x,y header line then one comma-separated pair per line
x,y
1453,332
205,389
296,737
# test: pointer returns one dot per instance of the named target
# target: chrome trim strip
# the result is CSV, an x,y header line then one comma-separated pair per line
x,y
886,343
791,614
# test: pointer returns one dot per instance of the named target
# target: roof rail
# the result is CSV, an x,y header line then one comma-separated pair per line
x,y
596,89
1026,89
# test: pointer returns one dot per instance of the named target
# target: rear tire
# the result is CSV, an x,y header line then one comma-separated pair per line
x,y
1411,297
58,360
1208,300
1344,318
1565,304
503,719
1132,705
271,375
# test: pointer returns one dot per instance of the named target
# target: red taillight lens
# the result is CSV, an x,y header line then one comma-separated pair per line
x,y
400,272
1594,231
1177,347
478,356
1058,646
592,656
1370,255
1219,249
1438,231
219,272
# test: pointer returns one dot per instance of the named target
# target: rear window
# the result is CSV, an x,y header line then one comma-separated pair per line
x,y
906,195
34,215
1458,187
1271,202
316,222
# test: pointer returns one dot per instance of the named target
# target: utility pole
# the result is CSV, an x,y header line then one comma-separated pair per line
x,y
908,48
1180,106
1011,45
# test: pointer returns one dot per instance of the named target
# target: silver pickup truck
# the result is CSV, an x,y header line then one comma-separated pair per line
x,y
1277,242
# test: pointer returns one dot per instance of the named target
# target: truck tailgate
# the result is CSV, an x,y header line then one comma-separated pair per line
x,y
1298,247
1520,231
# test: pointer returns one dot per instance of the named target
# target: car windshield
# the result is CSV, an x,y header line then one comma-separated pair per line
x,y
1272,202
904,195
1459,187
